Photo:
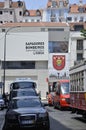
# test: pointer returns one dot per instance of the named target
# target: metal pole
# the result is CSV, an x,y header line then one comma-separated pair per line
x,y
4,63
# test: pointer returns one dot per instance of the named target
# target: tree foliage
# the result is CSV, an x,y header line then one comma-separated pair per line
x,y
83,33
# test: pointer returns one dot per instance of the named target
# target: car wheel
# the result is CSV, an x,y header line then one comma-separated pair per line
x,y
60,107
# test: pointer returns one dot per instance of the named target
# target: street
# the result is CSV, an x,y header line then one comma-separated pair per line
x,y
2,114
64,120
59,120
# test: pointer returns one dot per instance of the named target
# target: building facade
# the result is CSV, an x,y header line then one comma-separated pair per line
x,y
77,43
28,50
11,11
41,44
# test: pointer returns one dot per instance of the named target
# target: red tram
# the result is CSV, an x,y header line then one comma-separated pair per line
x,y
78,88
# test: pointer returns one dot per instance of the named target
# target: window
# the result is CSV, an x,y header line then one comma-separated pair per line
x,y
55,29
79,56
61,3
26,13
69,18
1,21
20,3
6,11
20,13
42,29
81,9
81,19
19,65
38,13
78,27
1,12
75,19
55,47
26,20
11,12
38,20
54,3
32,20
79,44
3,30
53,19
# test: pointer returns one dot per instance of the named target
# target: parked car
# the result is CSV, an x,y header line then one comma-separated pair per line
x,y
26,112
22,92
2,103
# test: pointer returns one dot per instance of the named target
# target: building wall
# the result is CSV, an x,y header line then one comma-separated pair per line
x,y
6,16
14,16
74,36
17,50
16,40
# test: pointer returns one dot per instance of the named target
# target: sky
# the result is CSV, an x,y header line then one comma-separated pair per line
x,y
36,4
41,4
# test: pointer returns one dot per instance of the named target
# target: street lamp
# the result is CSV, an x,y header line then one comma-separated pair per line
x,y
4,63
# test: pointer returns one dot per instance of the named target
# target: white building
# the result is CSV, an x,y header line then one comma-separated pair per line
x,y
77,43
28,48
11,11
77,12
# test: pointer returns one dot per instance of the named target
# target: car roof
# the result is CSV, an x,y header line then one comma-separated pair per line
x,y
26,97
24,89
23,80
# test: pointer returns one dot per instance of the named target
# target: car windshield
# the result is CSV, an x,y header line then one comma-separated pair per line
x,y
65,88
0,96
25,103
22,85
30,92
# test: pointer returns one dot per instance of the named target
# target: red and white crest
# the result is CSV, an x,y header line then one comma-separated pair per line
x,y
58,62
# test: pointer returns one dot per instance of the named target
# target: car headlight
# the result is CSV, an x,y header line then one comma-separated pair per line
x,y
43,115
63,99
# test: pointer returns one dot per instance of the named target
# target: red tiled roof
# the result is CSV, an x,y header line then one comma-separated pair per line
x,y
1,4
32,12
36,24
75,8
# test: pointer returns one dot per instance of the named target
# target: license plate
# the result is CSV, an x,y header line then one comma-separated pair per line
x,y
25,122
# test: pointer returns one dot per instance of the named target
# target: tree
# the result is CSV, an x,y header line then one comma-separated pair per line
x,y
83,33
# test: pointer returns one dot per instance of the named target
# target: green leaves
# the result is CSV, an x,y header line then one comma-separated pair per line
x,y
83,33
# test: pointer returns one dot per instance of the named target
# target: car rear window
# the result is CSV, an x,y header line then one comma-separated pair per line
x,y
25,103
22,85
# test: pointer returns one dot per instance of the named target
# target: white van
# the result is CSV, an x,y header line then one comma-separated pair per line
x,y
23,83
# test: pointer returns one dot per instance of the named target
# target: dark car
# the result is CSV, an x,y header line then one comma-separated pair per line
x,y
26,112
22,92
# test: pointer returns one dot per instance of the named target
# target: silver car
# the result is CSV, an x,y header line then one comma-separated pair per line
x,y
2,103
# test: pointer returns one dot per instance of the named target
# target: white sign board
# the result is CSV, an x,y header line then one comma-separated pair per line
x,y
30,46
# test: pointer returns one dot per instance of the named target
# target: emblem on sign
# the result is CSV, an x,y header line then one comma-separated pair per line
x,y
58,62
